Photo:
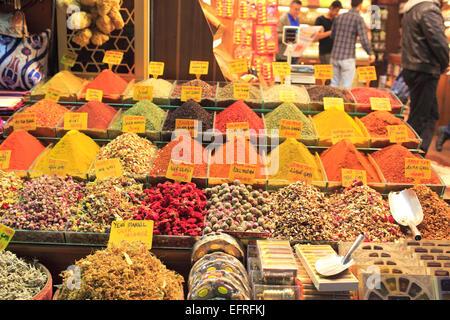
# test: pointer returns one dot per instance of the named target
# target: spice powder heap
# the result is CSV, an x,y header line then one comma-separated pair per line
x,y
363,95
377,121
64,81
208,91
24,149
154,116
108,82
317,93
238,112
189,110
161,87
48,113
126,272
227,92
272,94
99,114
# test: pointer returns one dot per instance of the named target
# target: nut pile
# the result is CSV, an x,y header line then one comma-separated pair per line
x,y
236,207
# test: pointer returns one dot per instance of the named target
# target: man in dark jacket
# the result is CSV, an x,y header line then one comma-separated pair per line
x,y
425,56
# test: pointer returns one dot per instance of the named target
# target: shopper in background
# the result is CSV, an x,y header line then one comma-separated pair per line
x,y
325,41
344,32
290,18
425,56
443,135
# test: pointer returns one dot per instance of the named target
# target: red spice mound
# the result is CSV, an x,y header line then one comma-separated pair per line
x,y
185,149
175,209
48,113
391,161
363,95
240,150
377,121
344,155
99,114
109,82
24,149
238,112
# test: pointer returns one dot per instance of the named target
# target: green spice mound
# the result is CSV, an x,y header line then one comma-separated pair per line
x,y
289,111
154,115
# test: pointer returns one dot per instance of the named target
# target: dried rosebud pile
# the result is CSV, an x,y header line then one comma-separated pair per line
x,y
106,201
236,207
176,209
45,203
10,186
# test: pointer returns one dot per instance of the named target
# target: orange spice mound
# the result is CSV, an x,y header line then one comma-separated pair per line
x,y
376,123
108,82
48,113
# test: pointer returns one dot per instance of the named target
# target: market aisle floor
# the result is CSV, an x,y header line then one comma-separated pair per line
x,y
441,163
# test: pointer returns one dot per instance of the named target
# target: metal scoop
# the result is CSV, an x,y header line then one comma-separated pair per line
x,y
335,264
406,210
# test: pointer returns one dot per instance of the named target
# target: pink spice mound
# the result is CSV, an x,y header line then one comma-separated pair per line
x,y
238,112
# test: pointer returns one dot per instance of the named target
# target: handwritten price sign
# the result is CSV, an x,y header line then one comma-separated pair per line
x,y
130,231
108,168
180,171
417,169
300,172
245,173
350,175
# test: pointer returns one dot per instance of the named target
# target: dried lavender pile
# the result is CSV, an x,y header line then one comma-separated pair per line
x,y
19,280
317,93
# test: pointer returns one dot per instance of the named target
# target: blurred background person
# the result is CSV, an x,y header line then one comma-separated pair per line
x,y
290,18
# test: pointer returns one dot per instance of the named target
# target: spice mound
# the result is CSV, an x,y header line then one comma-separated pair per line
x,y
134,152
108,82
128,272
272,94
154,116
19,280
176,209
238,112
208,91
377,121
299,212
189,110
236,207
24,149
227,92
363,95
344,155
45,203
10,187
358,209
105,201
317,93
64,81
48,113
391,161
436,215
161,87
99,114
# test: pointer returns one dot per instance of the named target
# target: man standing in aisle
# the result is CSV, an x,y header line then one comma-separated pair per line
x,y
344,32
290,18
425,56
325,41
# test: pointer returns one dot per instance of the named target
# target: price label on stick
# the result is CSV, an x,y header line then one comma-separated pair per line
x,y
300,172
417,169
5,157
381,104
180,171
237,129
398,134
241,91
94,95
366,74
281,69
323,71
25,121
350,175
187,124
108,168
245,173
134,124
131,230
6,235
53,94
287,96
238,66
113,57
189,92
69,59
156,69
331,102
198,68
340,134
143,93
57,166
75,121
290,129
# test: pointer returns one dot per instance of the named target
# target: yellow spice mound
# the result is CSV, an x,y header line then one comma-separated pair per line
x,y
333,119
65,81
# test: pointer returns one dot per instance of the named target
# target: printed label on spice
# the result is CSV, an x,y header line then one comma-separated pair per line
x,y
143,93
241,91
290,128
156,68
281,69
398,134
94,95
381,104
417,169
75,121
5,157
351,175
134,124
323,71
113,57
180,171
300,172
366,73
53,94
237,129
340,134
108,168
287,96
189,92
245,173
57,166
187,124
131,230
6,235
331,102
198,67
238,66
69,59
25,121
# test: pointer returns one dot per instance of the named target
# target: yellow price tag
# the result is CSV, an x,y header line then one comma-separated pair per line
x,y
6,235
350,175
69,59
281,69
94,95
75,121
241,91
290,129
57,166
237,129
25,121
238,66
287,96
398,134
245,173
131,230
382,104
198,68
156,69
53,94
143,93
5,157
331,102
108,168
113,57
417,169
180,171
187,124
300,172
340,134
189,92
366,73
323,71
134,124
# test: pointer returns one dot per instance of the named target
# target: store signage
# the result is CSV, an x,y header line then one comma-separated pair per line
x,y
380,104
189,92
143,93
238,66
75,121
108,168
300,172
5,157
198,68
134,124
398,134
69,59
350,175
53,94
290,129
331,102
281,69
417,169
131,230
241,91
25,121
156,69
187,124
366,73
237,129
57,166
94,95
287,96
245,173
6,235
323,71
340,134
113,57
180,171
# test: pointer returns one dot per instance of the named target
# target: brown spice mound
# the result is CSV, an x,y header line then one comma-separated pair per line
x,y
436,215
128,272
